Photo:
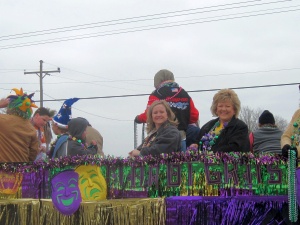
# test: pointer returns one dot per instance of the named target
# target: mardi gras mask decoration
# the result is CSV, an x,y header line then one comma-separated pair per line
x,y
91,182
10,182
65,192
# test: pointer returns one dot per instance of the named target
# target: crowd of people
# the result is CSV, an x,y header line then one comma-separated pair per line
x,y
225,133
26,138
172,126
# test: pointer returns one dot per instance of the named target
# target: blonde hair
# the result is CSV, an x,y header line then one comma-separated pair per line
x,y
171,116
224,95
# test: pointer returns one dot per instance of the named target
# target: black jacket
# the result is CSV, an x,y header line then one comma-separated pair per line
x,y
180,103
234,137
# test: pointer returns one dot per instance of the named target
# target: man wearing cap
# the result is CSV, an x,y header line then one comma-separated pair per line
x,y
18,138
266,139
180,102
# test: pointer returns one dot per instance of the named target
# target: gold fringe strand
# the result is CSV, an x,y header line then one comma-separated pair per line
x,y
19,211
143,211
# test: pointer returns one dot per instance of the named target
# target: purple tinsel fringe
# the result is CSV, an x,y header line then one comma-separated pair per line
x,y
192,210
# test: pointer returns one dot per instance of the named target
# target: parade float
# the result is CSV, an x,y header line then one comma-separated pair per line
x,y
181,188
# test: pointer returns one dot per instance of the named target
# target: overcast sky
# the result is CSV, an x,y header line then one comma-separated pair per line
x,y
206,44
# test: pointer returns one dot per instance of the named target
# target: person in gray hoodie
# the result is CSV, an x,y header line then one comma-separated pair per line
x,y
266,139
75,144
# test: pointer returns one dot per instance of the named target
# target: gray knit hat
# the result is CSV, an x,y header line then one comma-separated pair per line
x,y
162,76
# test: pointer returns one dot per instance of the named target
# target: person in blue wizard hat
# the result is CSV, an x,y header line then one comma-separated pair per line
x,y
59,125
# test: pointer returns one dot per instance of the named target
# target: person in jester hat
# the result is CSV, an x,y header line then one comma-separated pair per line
x,y
18,139
59,125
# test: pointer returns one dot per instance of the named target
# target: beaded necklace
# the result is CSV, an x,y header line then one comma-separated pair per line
x,y
77,140
209,139
295,138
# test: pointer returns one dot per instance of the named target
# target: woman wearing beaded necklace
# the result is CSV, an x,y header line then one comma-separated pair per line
x,y
226,133
163,135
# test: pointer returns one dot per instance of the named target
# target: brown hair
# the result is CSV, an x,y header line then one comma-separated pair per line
x,y
171,116
42,111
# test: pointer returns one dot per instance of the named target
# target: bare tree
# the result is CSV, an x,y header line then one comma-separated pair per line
x,y
281,122
250,117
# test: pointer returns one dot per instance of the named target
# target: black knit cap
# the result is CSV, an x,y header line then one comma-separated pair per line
x,y
266,118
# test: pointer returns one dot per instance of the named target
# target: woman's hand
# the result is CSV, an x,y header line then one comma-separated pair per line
x,y
42,148
195,146
134,153
4,102
93,144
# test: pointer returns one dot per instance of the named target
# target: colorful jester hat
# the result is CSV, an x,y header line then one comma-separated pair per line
x,y
20,104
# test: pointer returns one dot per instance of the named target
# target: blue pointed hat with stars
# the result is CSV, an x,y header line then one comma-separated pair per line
x,y
65,114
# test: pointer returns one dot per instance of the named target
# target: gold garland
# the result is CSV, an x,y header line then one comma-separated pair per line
x,y
115,211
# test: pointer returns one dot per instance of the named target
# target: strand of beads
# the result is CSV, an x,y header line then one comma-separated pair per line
x,y
77,140
210,139
293,209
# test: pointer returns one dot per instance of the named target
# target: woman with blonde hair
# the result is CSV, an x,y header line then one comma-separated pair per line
x,y
163,135
226,133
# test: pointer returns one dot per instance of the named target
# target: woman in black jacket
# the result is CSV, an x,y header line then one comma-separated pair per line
x,y
226,133
163,135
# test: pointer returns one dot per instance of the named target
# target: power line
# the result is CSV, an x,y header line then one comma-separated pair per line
x,y
96,115
128,30
177,77
128,18
137,95
200,76
205,90
91,82
106,79
136,29
88,26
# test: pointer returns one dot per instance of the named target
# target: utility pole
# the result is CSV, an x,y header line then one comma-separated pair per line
x,y
41,74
